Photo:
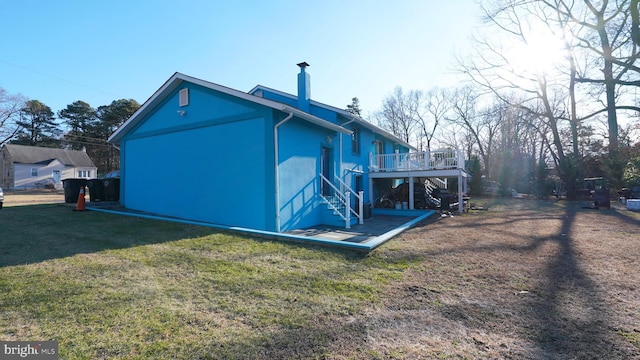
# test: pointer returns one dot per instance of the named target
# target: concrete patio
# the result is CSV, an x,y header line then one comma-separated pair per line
x,y
383,225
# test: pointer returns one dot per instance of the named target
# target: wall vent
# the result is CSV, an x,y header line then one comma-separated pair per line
x,y
184,97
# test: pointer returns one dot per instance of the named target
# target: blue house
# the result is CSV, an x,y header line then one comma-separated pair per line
x,y
263,160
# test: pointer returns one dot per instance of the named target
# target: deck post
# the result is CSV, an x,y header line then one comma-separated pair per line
x,y
411,198
396,164
460,201
361,207
347,215
426,159
371,198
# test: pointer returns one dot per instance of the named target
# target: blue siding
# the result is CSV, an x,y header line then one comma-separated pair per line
x,y
279,98
299,156
205,107
314,110
213,164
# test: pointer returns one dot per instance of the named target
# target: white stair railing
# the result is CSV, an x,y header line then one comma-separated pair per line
x,y
360,198
343,205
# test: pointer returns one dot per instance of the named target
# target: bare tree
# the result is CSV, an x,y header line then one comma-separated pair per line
x,y
481,125
10,106
398,111
606,31
429,112
542,93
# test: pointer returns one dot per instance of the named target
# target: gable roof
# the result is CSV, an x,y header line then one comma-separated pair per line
x,y
42,155
178,78
344,113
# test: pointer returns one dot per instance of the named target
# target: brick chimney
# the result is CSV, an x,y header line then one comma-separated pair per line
x,y
304,88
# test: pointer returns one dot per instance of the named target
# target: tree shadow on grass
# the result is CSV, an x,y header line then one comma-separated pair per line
x,y
571,319
35,233
566,313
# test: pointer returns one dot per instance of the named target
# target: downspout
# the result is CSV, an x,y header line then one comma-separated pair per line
x,y
342,125
276,160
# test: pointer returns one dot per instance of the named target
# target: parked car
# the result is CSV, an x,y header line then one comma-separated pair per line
x,y
1,197
494,188
111,175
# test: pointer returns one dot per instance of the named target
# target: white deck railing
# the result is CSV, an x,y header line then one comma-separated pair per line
x,y
426,160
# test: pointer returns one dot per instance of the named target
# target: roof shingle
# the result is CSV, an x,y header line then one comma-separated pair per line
x,y
39,155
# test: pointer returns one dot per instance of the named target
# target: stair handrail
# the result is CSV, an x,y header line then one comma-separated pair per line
x,y
340,197
345,199
359,195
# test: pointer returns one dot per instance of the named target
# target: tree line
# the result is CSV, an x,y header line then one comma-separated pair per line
x,y
532,127
77,127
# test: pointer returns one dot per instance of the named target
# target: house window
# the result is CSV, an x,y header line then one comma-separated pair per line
x,y
355,141
34,171
84,173
184,97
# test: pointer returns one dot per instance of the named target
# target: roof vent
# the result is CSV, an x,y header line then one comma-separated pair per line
x,y
184,97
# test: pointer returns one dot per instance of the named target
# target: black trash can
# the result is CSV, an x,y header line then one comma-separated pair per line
x,y
96,189
366,210
111,189
602,198
445,198
72,189
445,202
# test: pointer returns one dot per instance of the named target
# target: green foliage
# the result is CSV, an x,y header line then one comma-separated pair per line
x,y
80,117
38,126
541,187
115,114
631,175
354,107
615,164
475,169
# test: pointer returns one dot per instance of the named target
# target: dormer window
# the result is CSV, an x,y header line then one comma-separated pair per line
x,y
184,97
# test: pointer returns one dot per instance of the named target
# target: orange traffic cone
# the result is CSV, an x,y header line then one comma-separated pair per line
x,y
81,206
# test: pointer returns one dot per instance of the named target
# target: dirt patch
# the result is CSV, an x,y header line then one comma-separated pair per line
x,y
529,280
33,197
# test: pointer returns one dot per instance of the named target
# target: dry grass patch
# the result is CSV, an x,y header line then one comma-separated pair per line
x,y
533,280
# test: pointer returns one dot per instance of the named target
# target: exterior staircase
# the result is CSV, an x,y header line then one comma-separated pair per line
x,y
339,211
431,184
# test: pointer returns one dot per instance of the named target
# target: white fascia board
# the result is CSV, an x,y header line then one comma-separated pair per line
x,y
171,84
178,78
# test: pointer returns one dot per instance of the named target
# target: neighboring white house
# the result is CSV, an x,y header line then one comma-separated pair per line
x,y
24,167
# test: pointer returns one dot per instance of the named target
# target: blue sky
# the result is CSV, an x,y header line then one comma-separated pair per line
x,y
62,51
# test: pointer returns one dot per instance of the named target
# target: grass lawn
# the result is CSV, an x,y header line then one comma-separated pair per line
x,y
525,279
108,286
